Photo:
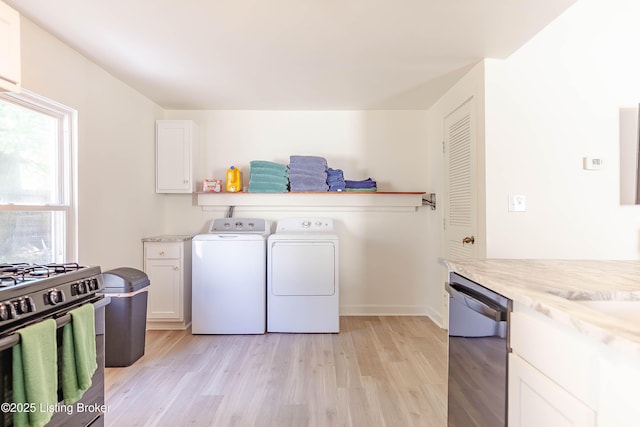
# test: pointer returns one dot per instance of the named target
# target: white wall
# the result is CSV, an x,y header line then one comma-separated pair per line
x,y
554,101
116,202
382,254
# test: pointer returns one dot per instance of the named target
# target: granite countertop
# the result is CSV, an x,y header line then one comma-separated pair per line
x,y
168,238
559,288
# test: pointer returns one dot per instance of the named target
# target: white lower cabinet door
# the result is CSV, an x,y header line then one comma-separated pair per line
x,y
536,401
165,291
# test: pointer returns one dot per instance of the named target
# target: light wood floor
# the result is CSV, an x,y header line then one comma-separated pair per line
x,y
379,371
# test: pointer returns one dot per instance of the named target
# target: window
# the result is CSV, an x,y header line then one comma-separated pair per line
x,y
37,209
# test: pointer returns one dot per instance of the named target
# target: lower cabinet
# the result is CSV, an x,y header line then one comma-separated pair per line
x,y
559,377
168,265
535,400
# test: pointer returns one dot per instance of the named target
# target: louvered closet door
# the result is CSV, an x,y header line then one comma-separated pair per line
x,y
460,181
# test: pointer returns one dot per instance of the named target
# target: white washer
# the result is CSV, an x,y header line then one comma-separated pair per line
x,y
302,277
230,277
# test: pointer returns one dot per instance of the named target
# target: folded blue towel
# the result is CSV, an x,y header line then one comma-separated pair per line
x,y
365,183
308,171
335,179
308,180
293,176
306,187
307,163
78,353
35,373
337,187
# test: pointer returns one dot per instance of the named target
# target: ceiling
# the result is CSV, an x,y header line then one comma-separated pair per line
x,y
292,54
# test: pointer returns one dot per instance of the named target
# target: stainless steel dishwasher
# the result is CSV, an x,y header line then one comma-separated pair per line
x,y
478,349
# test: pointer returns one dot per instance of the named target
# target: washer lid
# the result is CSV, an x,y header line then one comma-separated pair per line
x,y
239,226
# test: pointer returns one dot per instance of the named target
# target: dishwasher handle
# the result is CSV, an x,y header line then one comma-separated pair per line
x,y
477,302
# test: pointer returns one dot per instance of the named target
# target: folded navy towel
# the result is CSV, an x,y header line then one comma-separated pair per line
x,y
337,186
334,175
335,179
365,183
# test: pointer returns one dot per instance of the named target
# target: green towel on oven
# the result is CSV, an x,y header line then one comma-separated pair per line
x,y
35,374
78,353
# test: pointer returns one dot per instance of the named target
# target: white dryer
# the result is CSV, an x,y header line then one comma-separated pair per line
x,y
229,277
302,277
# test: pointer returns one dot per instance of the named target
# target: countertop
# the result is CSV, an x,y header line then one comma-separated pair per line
x,y
555,288
168,238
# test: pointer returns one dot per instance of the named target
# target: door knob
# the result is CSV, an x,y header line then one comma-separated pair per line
x,y
468,239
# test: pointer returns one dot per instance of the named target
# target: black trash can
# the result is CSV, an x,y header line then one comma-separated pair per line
x,y
125,316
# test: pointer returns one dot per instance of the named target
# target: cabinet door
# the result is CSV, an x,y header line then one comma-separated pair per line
x,y
9,48
174,156
535,400
165,289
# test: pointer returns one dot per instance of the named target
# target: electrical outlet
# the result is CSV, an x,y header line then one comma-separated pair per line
x,y
517,203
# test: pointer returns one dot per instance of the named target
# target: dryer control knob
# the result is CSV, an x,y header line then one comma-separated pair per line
x,y
306,224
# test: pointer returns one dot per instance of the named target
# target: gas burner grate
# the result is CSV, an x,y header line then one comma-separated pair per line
x,y
17,273
63,268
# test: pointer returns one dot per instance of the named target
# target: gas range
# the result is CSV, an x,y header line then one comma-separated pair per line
x,y
29,292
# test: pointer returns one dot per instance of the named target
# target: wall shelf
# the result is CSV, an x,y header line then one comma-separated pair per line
x,y
377,200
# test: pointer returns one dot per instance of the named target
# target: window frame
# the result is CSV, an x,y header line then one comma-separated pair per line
x,y
66,171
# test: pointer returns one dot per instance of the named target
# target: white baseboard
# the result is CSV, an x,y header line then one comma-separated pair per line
x,y
383,310
167,326
391,310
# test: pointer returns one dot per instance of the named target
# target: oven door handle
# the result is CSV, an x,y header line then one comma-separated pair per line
x,y
477,302
13,339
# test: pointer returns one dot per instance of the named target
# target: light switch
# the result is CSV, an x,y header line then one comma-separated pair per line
x,y
517,203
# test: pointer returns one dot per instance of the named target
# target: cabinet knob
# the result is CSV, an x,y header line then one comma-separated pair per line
x,y
176,268
186,181
161,253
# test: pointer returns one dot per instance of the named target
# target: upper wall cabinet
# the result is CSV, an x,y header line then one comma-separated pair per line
x,y
9,48
176,151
